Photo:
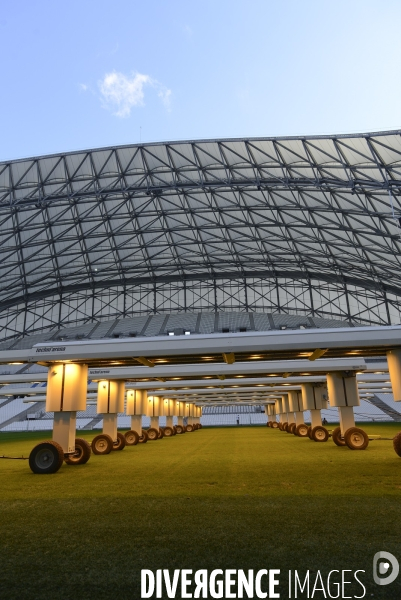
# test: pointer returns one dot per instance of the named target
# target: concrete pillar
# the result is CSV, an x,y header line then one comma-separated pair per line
x,y
343,394
67,385
394,367
110,402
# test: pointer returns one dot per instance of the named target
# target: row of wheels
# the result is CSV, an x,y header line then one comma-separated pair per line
x,y
355,438
47,457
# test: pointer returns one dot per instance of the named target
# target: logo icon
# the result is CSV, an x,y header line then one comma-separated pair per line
x,y
382,561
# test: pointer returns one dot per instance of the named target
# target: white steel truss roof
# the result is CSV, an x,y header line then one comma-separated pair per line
x,y
306,224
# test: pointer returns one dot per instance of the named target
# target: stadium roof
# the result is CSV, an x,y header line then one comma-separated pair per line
x,y
306,225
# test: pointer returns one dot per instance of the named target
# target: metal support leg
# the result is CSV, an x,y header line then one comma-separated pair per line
x,y
110,425
64,430
347,418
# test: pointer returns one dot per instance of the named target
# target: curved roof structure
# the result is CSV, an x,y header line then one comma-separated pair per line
x,y
305,225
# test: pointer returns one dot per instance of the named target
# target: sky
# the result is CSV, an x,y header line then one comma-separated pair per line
x,y
91,73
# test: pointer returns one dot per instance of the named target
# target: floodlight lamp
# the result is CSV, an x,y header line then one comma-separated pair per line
x,y
171,332
187,333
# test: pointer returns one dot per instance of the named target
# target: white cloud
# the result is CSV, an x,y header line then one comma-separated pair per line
x,y
83,87
120,93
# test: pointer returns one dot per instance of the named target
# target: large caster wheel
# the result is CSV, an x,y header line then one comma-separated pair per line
x,y
120,442
275,425
291,428
161,433
284,426
143,438
46,458
131,438
168,432
319,434
180,429
310,432
200,425
81,455
189,428
397,444
356,439
102,444
337,437
302,430
153,434
175,429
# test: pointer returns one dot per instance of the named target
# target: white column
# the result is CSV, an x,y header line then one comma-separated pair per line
x,y
67,385
343,394
394,367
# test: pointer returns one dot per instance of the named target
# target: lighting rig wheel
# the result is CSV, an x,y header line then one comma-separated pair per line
x,y
268,424
310,432
320,434
285,425
143,438
180,429
200,425
131,438
356,439
274,425
161,433
153,434
302,430
189,428
397,444
174,430
46,458
102,444
291,428
120,442
337,437
168,432
81,455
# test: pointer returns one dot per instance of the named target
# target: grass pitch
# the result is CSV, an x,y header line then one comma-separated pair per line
x,y
239,498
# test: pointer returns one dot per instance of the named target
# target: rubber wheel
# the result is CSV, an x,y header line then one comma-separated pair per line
x,y
284,426
46,458
200,425
143,438
274,425
131,438
310,432
180,429
291,428
397,444
337,437
168,432
102,444
189,428
161,433
175,429
81,455
319,434
119,444
153,434
356,439
302,430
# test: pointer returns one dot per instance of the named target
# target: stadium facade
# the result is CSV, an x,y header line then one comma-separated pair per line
x,y
307,227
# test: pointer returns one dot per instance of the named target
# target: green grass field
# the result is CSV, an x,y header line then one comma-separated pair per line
x,y
239,498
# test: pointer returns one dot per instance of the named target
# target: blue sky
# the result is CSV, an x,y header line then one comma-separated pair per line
x,y
83,74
